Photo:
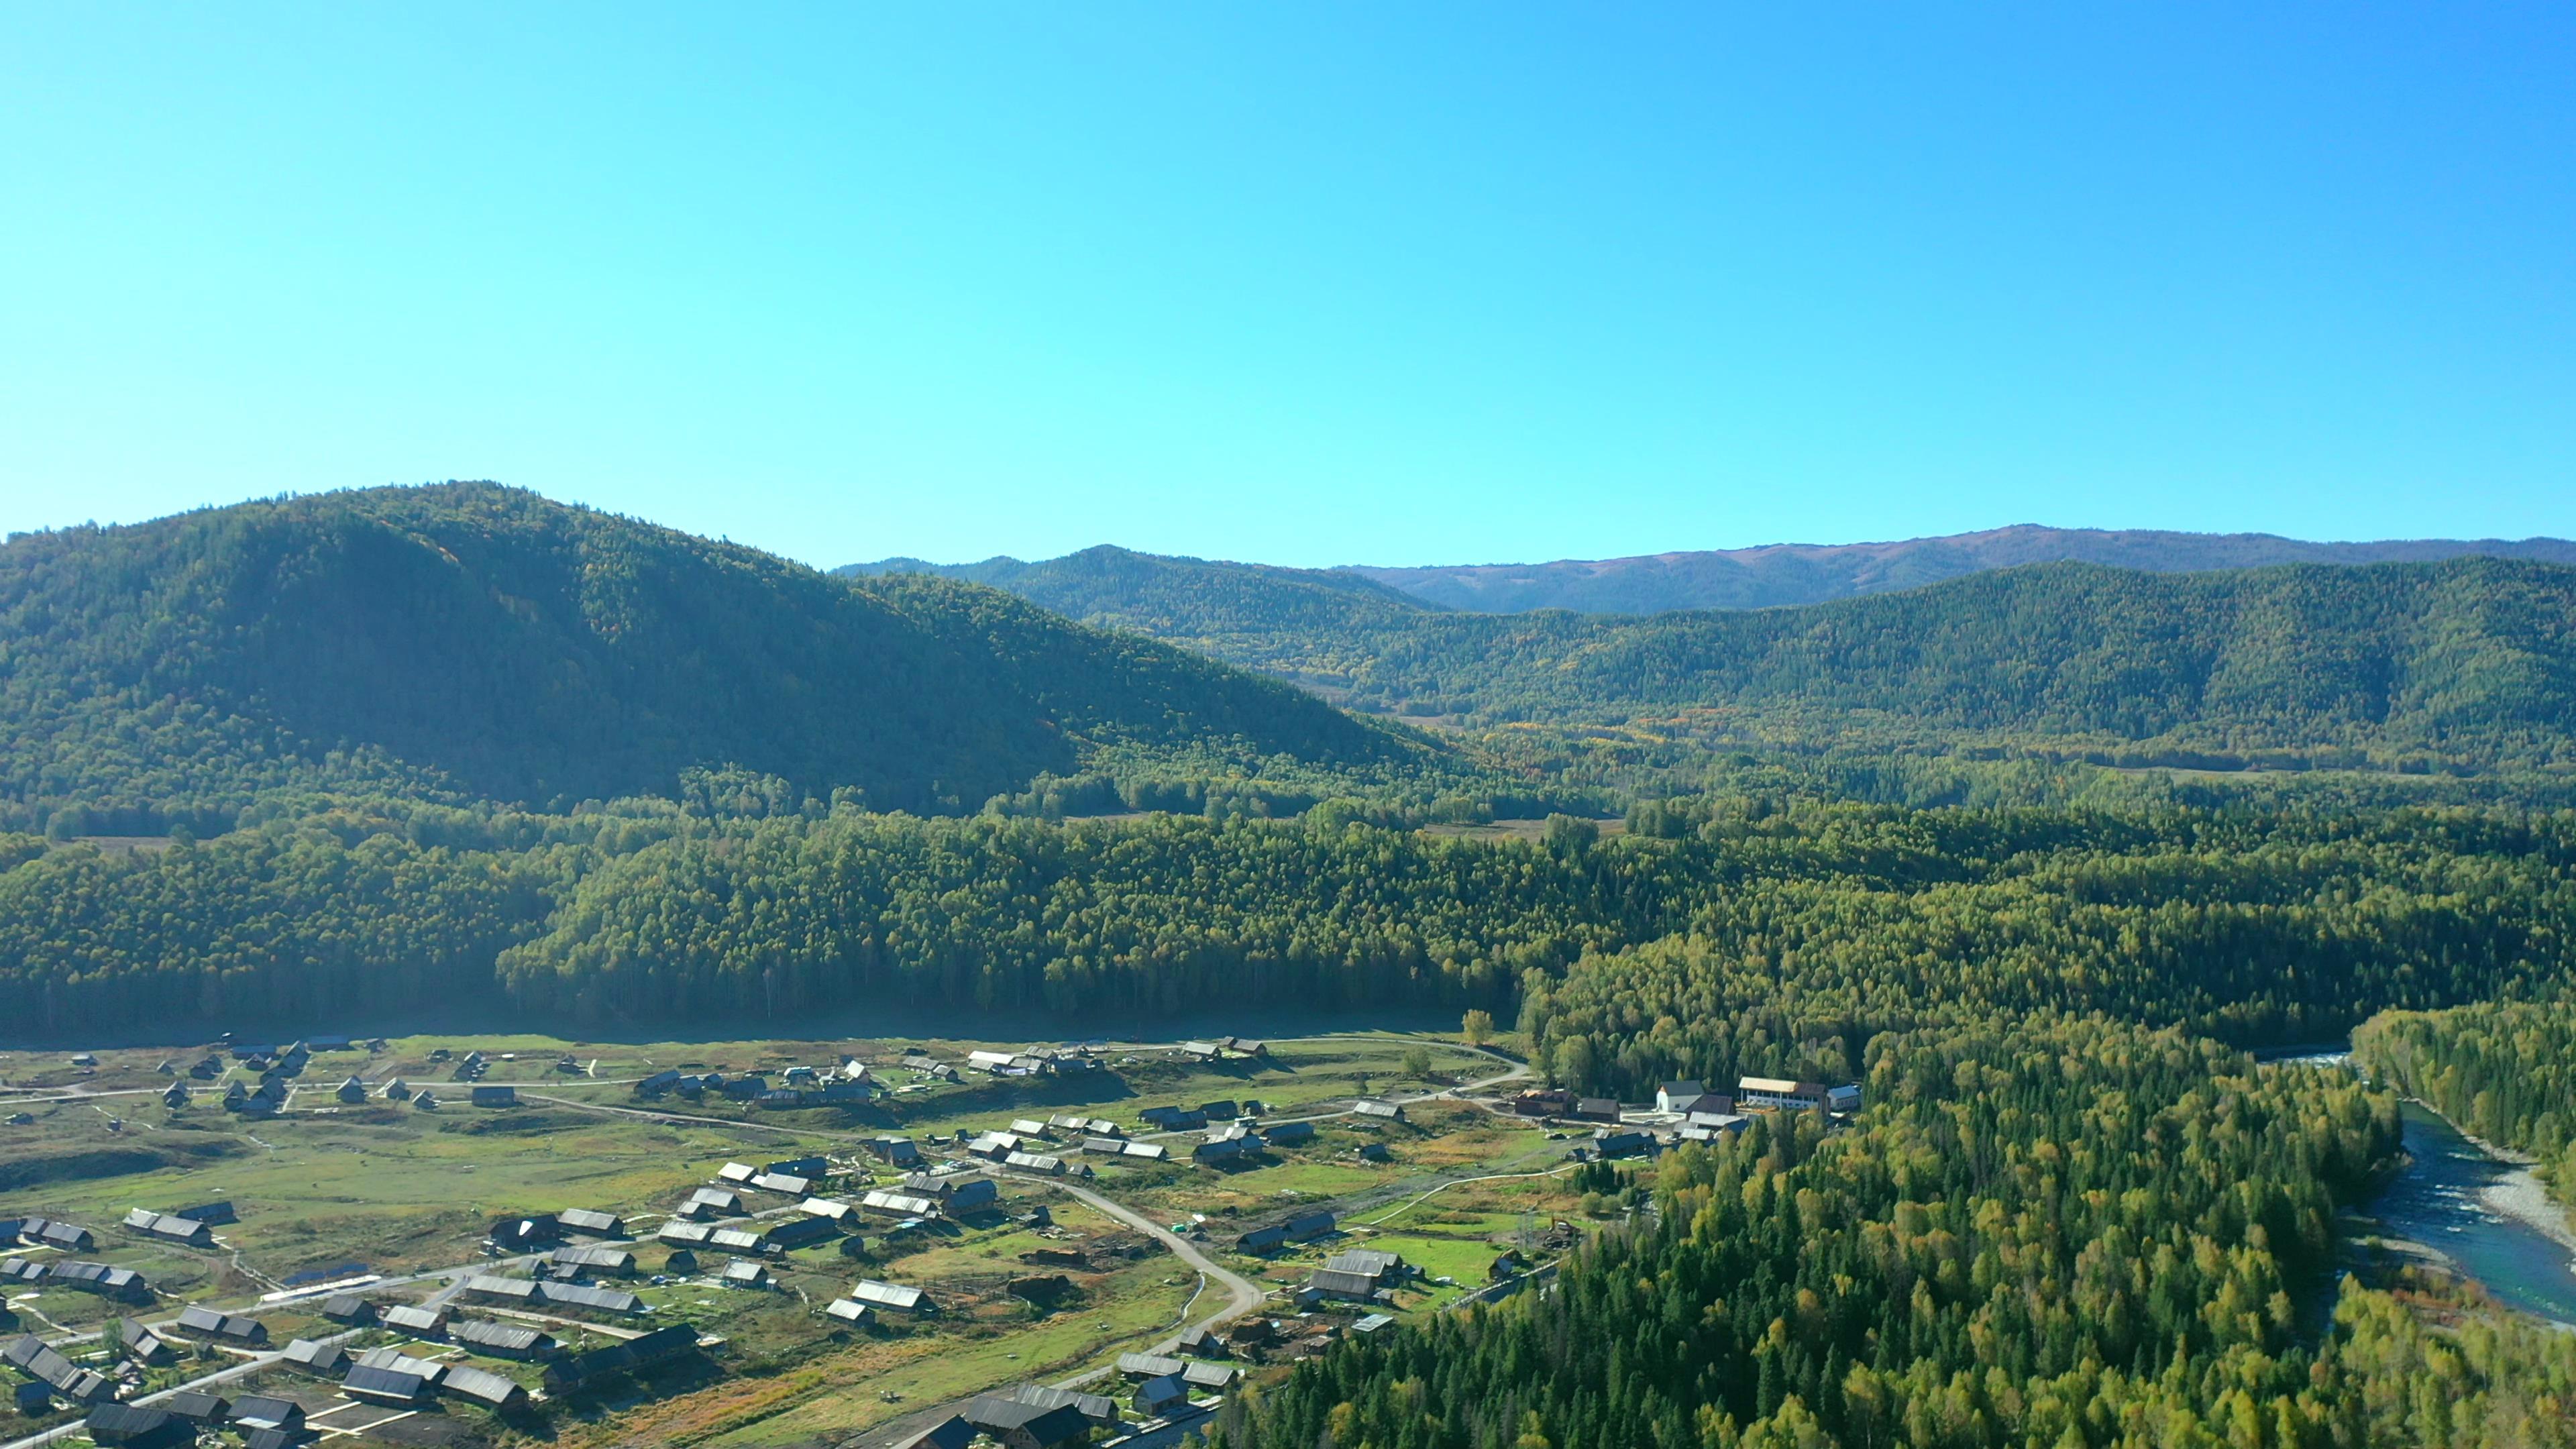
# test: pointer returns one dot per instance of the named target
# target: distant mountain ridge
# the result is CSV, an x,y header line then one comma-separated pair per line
x,y
2462,658
1765,577
1775,575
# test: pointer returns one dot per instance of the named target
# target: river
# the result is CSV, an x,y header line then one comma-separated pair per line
x,y
2433,1200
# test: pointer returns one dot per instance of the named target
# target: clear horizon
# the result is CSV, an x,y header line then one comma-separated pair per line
x,y
1346,286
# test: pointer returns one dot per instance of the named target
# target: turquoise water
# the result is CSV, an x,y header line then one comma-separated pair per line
x,y
2434,1201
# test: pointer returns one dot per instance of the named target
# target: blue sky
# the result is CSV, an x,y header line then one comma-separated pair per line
x,y
1310,284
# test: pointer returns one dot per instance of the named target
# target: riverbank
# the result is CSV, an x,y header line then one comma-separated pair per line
x,y
2519,1194
2436,1210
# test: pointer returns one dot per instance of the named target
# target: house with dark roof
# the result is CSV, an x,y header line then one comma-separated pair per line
x,y
1141,1366
131,1426
1606,1143
396,1388
141,1344
266,1411
170,1228
592,1222
798,1232
1100,1409
712,1202
578,1295
645,1351
1334,1283
525,1234
54,1233
315,1358
897,1296
745,1241
615,1261
196,1406
1159,1396
348,1308
493,1289
501,1096
894,1149
1385,1269
1019,1425
482,1386
229,1327
952,1432
416,1320
501,1340
1209,1375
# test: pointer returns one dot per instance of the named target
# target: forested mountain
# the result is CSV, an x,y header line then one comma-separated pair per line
x,y
1319,625
472,641
1805,573
2471,660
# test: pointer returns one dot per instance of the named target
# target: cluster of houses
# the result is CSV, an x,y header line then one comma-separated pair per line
x,y
1224,1048
174,1421
49,1375
123,1285
395,1379
388,1376
1162,1391
190,1227
849,1084
1684,1111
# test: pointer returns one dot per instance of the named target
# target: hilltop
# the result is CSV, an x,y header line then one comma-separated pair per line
x,y
467,641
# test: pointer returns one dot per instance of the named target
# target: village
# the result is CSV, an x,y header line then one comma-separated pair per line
x,y
464,1241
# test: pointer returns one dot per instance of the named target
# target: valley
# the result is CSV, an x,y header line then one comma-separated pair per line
x,y
869,1013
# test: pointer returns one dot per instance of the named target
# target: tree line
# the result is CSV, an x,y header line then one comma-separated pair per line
x,y
1757,939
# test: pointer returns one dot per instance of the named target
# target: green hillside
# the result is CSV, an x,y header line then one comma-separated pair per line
x,y
468,641
2470,659
1311,624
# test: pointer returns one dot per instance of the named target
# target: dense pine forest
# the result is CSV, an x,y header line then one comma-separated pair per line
x,y
1750,944
2047,1232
